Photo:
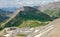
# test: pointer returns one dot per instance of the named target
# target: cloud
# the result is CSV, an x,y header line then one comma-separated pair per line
x,y
56,0
8,3
12,3
31,2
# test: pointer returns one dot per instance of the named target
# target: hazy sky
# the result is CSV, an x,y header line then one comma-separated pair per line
x,y
17,3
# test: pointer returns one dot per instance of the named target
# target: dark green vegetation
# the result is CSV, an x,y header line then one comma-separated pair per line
x,y
4,15
52,9
30,17
2,18
53,13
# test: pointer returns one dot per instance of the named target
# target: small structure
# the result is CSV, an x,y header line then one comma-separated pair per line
x,y
13,31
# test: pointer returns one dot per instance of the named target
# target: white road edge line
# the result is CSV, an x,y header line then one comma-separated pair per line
x,y
39,35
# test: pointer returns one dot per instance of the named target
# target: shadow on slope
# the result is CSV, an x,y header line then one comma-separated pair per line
x,y
2,18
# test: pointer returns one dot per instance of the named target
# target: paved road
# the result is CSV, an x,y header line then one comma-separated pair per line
x,y
47,30
39,32
51,30
56,31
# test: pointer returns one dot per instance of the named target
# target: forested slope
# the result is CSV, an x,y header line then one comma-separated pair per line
x,y
30,17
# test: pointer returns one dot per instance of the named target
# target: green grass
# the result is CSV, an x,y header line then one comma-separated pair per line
x,y
32,23
31,18
53,13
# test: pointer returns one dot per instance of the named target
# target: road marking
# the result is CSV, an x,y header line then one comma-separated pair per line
x,y
39,35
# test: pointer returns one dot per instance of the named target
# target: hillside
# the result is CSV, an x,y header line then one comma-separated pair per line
x,y
52,9
50,6
33,17
2,18
3,15
30,17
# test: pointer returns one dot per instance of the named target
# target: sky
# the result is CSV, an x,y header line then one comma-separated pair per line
x,y
19,3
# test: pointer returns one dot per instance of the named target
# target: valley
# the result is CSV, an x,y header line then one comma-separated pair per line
x,y
36,17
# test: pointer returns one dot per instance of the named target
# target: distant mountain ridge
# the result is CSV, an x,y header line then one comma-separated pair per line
x,y
4,15
10,9
50,6
52,9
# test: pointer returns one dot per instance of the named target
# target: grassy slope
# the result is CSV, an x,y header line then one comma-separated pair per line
x,y
53,13
31,18
32,23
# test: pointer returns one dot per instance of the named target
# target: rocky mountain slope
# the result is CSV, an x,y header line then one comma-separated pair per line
x,y
51,6
52,9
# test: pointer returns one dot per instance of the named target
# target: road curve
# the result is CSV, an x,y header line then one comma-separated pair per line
x,y
56,31
51,30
